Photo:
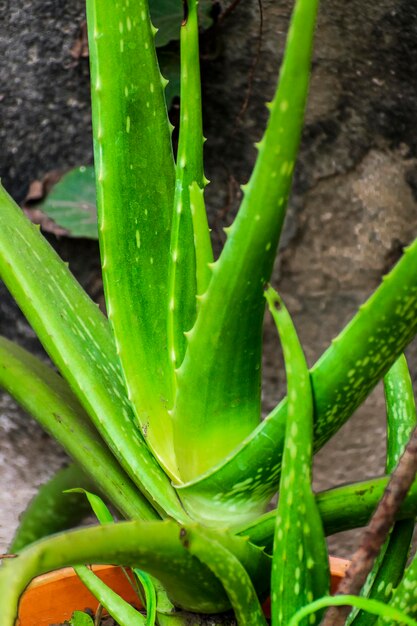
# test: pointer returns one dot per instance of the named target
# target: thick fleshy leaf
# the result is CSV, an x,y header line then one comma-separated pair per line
x,y
154,546
135,191
79,341
48,398
404,597
219,390
189,169
242,485
341,508
300,571
233,576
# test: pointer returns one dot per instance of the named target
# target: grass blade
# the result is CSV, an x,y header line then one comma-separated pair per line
x,y
372,606
104,516
100,510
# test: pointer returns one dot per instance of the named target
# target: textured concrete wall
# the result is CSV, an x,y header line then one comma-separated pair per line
x,y
354,203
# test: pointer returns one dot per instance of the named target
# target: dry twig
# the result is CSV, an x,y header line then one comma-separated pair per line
x,y
377,531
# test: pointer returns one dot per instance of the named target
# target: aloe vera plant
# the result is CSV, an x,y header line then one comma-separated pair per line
x,y
160,404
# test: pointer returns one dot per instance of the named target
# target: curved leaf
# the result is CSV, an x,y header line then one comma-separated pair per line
x,y
372,606
233,576
154,546
51,510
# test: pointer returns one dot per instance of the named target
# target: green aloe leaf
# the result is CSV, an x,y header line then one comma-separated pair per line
x,y
51,511
223,357
189,170
401,420
167,16
119,609
300,570
202,242
243,483
78,339
48,398
135,193
404,597
372,606
233,576
341,508
155,546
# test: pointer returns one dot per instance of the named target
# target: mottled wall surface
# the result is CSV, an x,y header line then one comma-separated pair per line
x,y
354,204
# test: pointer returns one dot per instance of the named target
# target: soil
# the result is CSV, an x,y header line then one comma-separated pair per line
x,y
192,620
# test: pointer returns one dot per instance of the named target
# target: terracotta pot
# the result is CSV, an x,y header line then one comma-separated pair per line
x,y
53,597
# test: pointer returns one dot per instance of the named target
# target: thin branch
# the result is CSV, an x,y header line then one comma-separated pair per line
x,y
8,556
377,531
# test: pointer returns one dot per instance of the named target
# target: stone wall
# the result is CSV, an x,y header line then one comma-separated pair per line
x,y
354,203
